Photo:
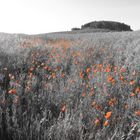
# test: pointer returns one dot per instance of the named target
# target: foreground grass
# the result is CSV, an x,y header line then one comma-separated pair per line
x,y
73,87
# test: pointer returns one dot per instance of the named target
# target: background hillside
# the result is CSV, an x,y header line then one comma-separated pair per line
x,y
70,86
104,26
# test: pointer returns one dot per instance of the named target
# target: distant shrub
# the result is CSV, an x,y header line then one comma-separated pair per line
x,y
112,25
75,29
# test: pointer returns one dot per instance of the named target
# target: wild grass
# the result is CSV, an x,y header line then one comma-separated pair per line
x,y
70,87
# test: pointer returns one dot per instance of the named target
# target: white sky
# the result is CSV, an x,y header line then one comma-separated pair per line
x,y
42,16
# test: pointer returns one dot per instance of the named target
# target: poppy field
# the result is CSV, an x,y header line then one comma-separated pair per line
x,y
70,87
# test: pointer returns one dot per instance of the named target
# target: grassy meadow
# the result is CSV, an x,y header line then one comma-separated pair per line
x,y
61,86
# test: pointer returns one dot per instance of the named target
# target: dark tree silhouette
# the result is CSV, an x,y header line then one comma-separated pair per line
x,y
111,25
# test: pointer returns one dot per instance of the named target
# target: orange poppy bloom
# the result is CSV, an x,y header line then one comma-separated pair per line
x,y
45,67
63,109
31,69
100,66
53,75
108,115
115,68
97,122
137,90
137,112
126,106
107,69
63,75
91,93
112,102
99,107
83,94
110,79
132,94
89,77
93,103
95,71
12,91
122,70
81,75
106,123
121,78
49,68
30,75
88,70
17,83
132,82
